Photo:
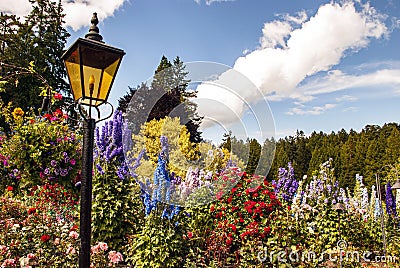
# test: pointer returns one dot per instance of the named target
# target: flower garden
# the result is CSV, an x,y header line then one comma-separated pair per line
x,y
150,209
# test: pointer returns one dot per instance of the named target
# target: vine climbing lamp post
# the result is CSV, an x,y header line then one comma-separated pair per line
x,y
91,67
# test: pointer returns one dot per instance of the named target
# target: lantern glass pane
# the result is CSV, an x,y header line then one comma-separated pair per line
x,y
73,70
87,72
108,76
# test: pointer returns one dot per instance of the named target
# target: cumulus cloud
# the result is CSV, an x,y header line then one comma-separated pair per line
x,y
78,12
296,47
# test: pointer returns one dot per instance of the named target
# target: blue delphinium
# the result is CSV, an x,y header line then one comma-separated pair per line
x,y
162,186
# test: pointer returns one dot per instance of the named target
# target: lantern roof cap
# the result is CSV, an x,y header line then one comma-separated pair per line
x,y
93,33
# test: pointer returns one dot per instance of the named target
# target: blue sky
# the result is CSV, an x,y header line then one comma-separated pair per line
x,y
321,65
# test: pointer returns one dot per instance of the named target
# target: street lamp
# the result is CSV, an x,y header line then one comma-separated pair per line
x,y
91,66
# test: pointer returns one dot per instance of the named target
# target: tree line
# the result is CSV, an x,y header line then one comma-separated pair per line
x,y
367,153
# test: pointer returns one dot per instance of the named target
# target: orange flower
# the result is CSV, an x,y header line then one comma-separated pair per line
x,y
17,113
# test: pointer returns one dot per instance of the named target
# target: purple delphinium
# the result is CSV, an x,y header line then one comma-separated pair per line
x,y
390,201
109,147
287,184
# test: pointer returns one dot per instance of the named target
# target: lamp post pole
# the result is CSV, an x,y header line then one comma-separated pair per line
x,y
86,192
91,67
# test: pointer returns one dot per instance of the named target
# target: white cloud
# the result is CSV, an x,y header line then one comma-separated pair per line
x,y
294,48
350,109
17,7
337,81
316,46
316,110
78,12
209,2
346,98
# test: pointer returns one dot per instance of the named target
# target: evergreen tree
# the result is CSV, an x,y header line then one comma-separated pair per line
x,y
266,157
226,141
38,38
373,160
302,155
254,156
166,96
392,152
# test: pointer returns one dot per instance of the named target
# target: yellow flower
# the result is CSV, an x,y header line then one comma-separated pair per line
x,y
17,113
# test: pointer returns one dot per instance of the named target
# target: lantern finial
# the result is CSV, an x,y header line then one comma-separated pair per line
x,y
93,33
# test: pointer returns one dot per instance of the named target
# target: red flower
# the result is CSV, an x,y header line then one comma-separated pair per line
x,y
190,235
229,199
58,96
31,121
10,188
47,116
219,195
31,210
58,113
267,230
233,227
212,208
45,238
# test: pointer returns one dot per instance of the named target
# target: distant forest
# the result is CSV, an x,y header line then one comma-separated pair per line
x,y
364,153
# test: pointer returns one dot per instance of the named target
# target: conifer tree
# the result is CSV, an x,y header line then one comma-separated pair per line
x,y
38,38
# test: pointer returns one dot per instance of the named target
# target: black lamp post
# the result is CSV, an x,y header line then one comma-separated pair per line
x,y
91,66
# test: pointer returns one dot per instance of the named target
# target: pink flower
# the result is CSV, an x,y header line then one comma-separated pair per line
x,y
103,246
57,241
73,234
115,257
3,249
70,250
95,249
8,262
72,162
31,256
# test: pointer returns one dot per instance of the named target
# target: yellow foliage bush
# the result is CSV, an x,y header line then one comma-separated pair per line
x,y
182,152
